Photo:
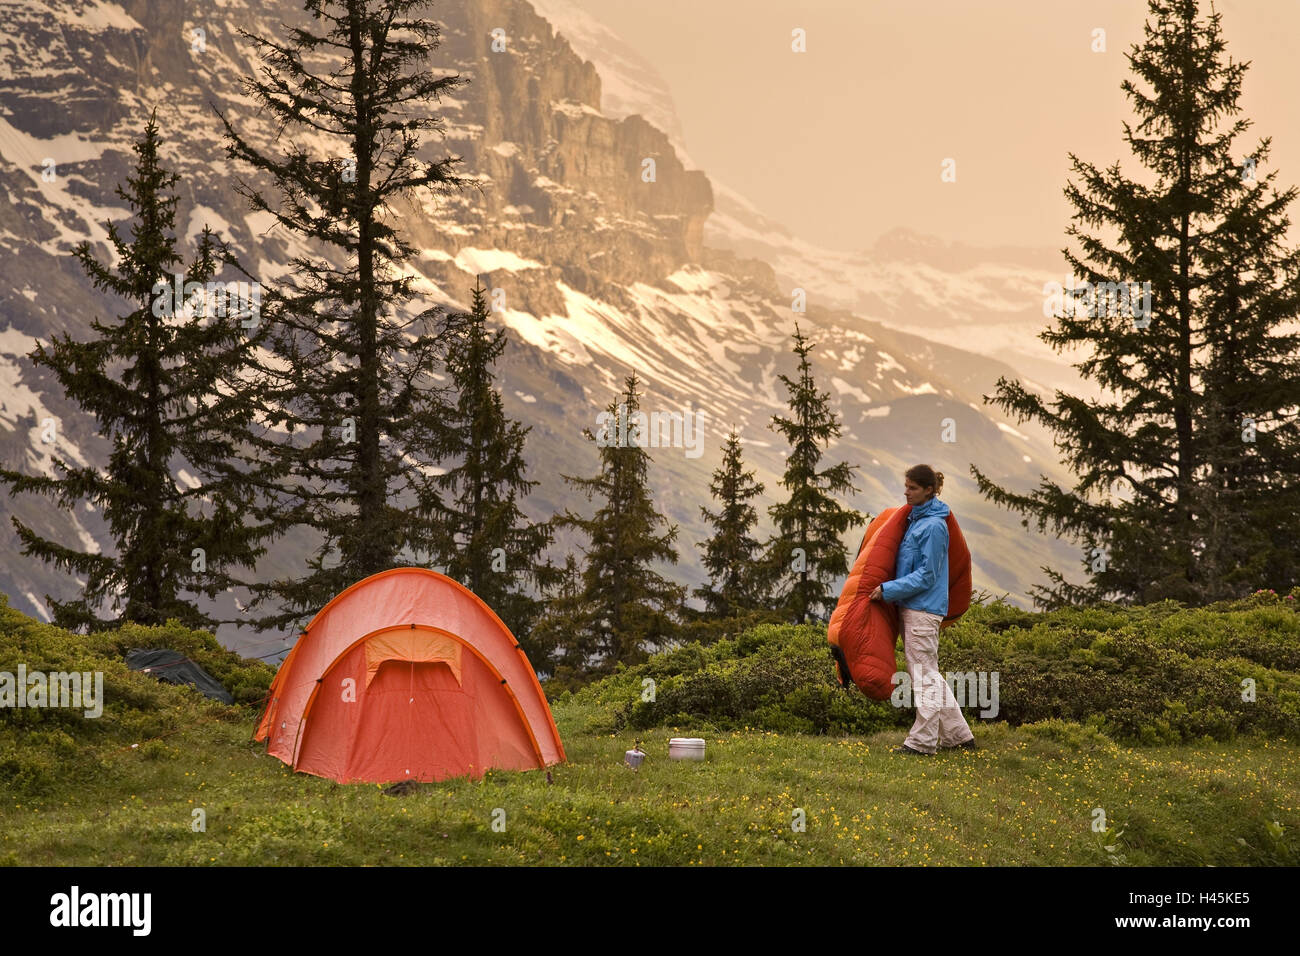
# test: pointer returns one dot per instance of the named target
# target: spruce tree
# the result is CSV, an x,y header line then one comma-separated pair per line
x,y
630,607
563,639
166,383
807,554
490,546
1188,467
353,380
733,556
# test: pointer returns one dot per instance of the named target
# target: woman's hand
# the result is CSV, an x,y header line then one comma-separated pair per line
x,y
877,594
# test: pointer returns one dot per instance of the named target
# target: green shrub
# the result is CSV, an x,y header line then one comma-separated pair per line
x,y
157,750
1074,736
33,761
1160,673
42,745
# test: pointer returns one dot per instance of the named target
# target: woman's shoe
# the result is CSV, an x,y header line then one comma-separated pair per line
x,y
967,745
905,749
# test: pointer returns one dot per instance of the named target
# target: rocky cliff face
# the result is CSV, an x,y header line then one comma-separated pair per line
x,y
563,183
604,272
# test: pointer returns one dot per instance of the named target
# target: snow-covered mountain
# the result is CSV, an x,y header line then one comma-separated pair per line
x,y
904,280
602,273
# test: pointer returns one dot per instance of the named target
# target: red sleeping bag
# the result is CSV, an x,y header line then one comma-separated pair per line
x,y
863,632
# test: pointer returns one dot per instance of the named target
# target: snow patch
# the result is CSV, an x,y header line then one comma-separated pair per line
x,y
694,279
925,388
36,603
844,388
99,15
1011,431
201,216
571,108
29,155
478,261
889,363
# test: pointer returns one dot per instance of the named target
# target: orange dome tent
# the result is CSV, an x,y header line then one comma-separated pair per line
x,y
862,633
407,675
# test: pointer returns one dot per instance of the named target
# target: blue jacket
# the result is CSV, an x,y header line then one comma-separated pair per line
x,y
922,568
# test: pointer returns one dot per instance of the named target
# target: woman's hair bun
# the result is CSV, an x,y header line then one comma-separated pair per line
x,y
926,477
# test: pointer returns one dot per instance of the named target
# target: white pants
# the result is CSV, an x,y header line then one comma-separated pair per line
x,y
939,721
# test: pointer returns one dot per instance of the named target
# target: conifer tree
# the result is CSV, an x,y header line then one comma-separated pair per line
x,y
733,556
490,546
563,640
165,382
630,607
807,554
1188,467
353,382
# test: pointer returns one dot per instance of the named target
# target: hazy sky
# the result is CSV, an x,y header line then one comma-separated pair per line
x,y
845,141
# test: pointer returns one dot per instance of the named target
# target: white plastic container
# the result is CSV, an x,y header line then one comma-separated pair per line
x,y
634,758
686,748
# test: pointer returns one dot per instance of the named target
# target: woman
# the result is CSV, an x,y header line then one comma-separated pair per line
x,y
921,592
